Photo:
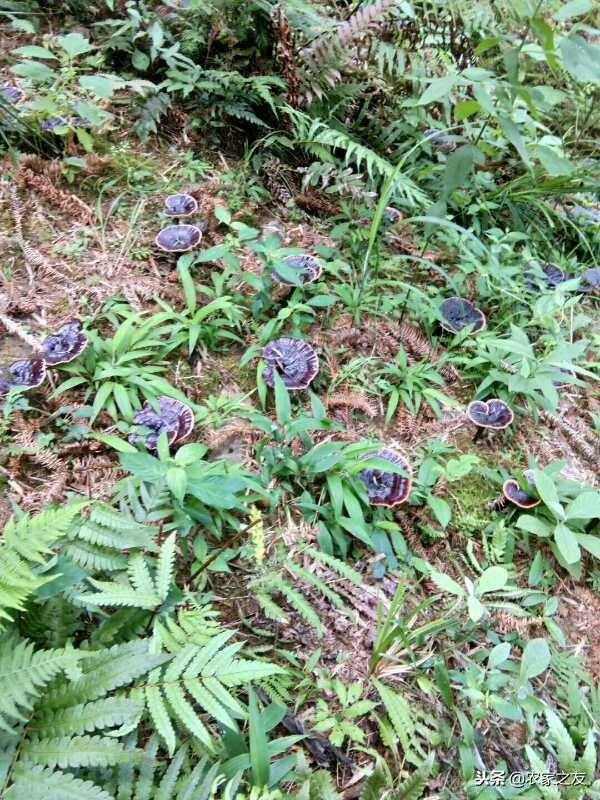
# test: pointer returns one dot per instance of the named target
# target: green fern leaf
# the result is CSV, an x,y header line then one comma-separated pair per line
x,y
76,751
165,566
40,783
23,675
413,787
104,671
24,550
160,715
86,717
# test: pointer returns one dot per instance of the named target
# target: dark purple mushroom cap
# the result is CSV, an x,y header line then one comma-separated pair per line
x,y
543,275
387,488
306,267
180,205
12,94
518,496
172,417
492,413
457,313
24,374
391,215
590,280
178,238
559,383
65,345
585,216
52,123
440,141
294,360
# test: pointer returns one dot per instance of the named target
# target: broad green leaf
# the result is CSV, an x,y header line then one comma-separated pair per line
x,y
589,543
438,88
575,8
538,527
554,164
466,109
35,71
475,608
499,654
584,506
101,85
492,579
512,133
535,659
567,544
118,444
74,44
33,51
446,583
581,59
283,405
547,491
177,482
458,168
259,755
441,509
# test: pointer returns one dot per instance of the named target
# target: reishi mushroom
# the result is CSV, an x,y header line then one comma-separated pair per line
x,y
27,373
491,414
543,275
440,141
590,281
293,359
12,94
305,267
456,313
512,491
172,417
178,238
65,345
387,488
180,205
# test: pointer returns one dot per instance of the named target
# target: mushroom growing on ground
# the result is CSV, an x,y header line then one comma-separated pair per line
x,y
26,373
559,382
392,216
440,141
65,345
543,275
387,488
12,94
590,281
178,238
293,359
456,313
306,268
171,417
512,491
180,205
491,414
52,123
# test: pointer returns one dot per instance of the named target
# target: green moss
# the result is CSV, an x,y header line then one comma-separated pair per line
x,y
470,497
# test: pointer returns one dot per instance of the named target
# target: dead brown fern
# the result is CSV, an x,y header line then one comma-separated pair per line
x,y
284,54
574,436
68,203
325,46
352,401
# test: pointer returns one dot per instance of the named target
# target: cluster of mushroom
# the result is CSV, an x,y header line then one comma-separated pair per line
x,y
543,275
167,415
180,237
59,348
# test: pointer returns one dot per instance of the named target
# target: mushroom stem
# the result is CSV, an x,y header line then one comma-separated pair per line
x,y
478,433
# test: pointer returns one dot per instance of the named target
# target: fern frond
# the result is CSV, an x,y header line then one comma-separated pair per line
x,y
205,674
104,671
410,726
40,783
76,751
23,675
412,788
109,712
336,564
23,553
165,566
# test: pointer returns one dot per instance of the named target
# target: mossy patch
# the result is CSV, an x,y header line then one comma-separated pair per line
x,y
470,497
